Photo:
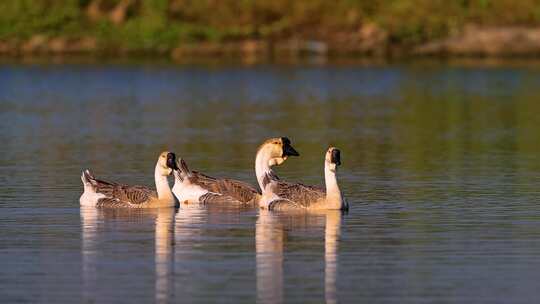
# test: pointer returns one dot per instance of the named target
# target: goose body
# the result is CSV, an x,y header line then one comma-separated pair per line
x,y
295,196
285,196
100,193
195,187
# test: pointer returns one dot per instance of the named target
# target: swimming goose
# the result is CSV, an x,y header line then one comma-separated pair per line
x,y
280,195
195,187
100,193
272,152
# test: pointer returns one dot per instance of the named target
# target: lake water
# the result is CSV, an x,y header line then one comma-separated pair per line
x,y
440,164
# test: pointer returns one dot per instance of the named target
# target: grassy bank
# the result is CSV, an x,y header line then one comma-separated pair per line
x,y
165,25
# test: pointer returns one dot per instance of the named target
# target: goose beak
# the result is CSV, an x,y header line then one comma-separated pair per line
x,y
288,150
336,157
171,161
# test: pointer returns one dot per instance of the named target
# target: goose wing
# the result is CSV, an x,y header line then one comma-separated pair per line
x,y
298,195
230,190
118,195
123,195
281,204
216,198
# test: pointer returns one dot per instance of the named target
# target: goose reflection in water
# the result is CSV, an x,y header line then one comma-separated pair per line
x,y
93,220
332,233
271,230
188,222
164,254
189,228
89,225
270,237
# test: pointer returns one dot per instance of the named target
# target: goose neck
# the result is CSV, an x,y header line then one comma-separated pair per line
x,y
162,185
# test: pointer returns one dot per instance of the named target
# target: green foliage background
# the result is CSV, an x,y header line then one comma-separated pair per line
x,y
161,24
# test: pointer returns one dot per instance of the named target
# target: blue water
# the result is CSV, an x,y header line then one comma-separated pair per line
x,y
440,166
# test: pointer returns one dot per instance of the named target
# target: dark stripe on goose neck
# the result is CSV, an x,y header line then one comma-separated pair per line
x,y
269,177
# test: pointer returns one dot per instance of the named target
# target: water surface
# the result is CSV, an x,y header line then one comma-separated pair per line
x,y
440,167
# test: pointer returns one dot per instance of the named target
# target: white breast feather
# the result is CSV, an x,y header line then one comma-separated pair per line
x,y
90,197
188,192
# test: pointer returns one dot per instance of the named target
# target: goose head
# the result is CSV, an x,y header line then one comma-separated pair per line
x,y
166,163
277,150
332,159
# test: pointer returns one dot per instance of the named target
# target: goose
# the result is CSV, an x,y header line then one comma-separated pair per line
x,y
284,196
195,187
272,152
100,193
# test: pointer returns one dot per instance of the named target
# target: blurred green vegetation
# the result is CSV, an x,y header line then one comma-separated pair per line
x,y
162,24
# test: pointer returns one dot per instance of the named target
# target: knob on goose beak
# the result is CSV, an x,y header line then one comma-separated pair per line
x,y
171,161
288,150
336,157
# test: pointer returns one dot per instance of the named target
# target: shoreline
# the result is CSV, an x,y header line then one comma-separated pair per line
x,y
150,61
472,42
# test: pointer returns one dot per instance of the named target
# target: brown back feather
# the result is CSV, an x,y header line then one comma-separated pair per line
x,y
235,189
121,195
299,194
214,198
